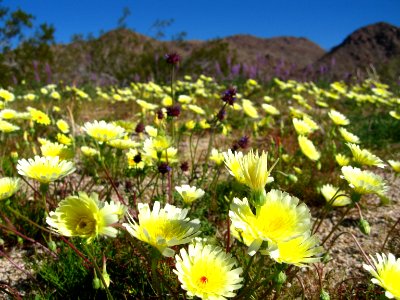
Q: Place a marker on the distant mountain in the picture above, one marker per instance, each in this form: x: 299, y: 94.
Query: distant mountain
x: 375, y: 45
x: 120, y: 56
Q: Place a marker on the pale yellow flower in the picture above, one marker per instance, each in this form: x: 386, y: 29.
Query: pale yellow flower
x: 207, y: 272
x: 338, y: 118
x: 278, y: 218
x: 62, y: 126
x: 163, y: 228
x: 249, y: 109
x: 85, y: 216
x: 189, y: 193
x: 45, y: 169
x: 8, y: 187
x: 386, y: 272
x: 103, y: 131
x: 299, y: 251
x: 329, y: 192
x: 364, y: 157
x: 395, y: 165
x: 364, y: 182
x: 342, y: 159
x: 308, y: 148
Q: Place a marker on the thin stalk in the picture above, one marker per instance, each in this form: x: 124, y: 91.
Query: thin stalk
x: 367, y: 260
x: 250, y: 286
x: 155, y: 258
x: 27, y: 238
x: 18, y: 214
x: 336, y: 225
x: 16, y: 266
x: 79, y: 253
x: 98, y: 271
x: 389, y: 233
x: 120, y: 198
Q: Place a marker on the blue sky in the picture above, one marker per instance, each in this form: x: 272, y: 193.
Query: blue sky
x: 324, y: 22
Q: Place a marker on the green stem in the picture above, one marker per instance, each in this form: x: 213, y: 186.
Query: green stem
x: 98, y: 271
x: 18, y: 214
x: 249, y: 288
x: 155, y: 257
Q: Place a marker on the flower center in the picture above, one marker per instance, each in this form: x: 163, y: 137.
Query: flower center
x: 85, y: 226
x: 203, y: 279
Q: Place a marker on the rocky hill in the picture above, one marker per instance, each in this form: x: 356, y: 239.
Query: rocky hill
x: 122, y: 55
x: 376, y: 45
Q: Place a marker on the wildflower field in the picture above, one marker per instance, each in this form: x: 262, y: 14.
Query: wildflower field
x: 194, y: 188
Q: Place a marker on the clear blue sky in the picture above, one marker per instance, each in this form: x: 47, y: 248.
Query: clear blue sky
x: 325, y: 22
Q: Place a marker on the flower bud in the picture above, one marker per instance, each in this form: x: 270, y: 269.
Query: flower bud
x: 52, y: 246
x: 293, y: 178
x: 326, y: 258
x: 364, y: 226
x: 96, y: 283
x: 324, y: 295
x: 280, y: 278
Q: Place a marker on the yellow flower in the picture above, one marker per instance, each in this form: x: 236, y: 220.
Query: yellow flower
x: 190, y: 124
x: 123, y: 144
x: 8, y: 187
x: 278, y: 218
x: 189, y: 193
x: 329, y: 191
x: 146, y: 105
x: 6, y: 95
x: 55, y: 95
x: 270, y: 109
x: 103, y: 131
x: 386, y: 270
x: 217, y: 157
x: 55, y: 149
x: 364, y: 157
x: 206, y: 272
x: 135, y: 160
x: 45, y: 169
x: 394, y: 114
x: 310, y: 122
x: 395, y: 165
x: 151, y: 131
x: 63, y: 139
x: 250, y: 169
x: 7, y: 127
x: 308, y: 148
x: 338, y: 118
x: 8, y: 114
x: 30, y: 97
x: 167, y: 101
x: 301, y: 127
x: 184, y: 99
x: 39, y: 116
x: 249, y: 109
x: 163, y: 227
x: 298, y: 251
x: 62, y: 126
x: 85, y: 216
x: 342, y: 159
x: 348, y: 136
x: 364, y: 182
x: 88, y: 151
x: 197, y: 109
x: 204, y: 124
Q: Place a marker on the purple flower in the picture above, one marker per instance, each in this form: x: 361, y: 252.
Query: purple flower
x: 164, y: 168
x: 173, y: 58
x: 229, y: 96
x: 173, y: 111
